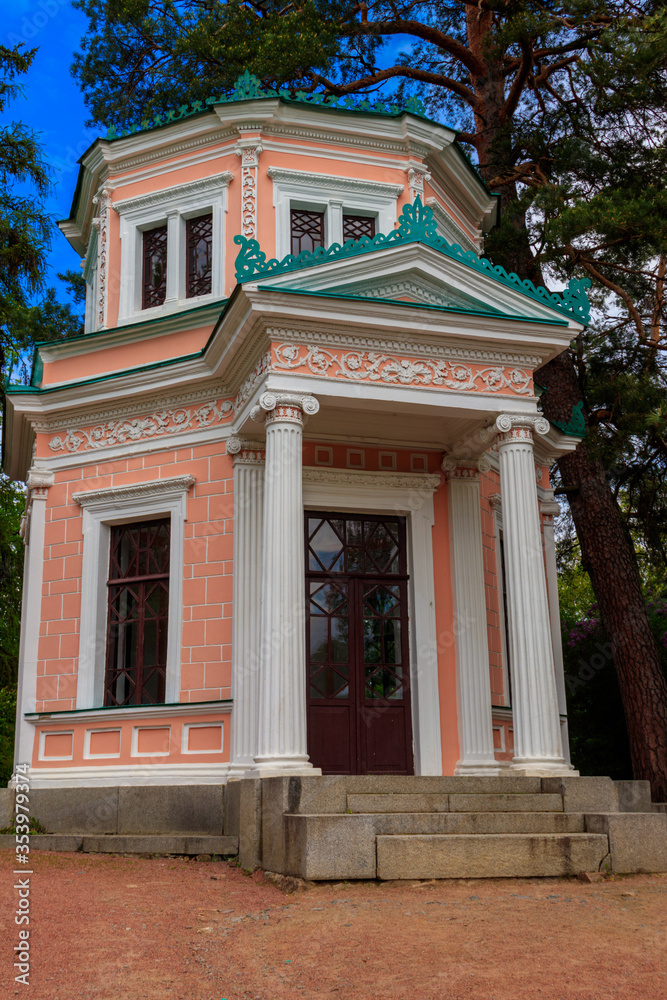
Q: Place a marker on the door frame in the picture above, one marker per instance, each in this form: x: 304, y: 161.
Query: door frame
x: 410, y: 496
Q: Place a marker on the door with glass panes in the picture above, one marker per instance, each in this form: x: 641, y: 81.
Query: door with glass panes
x: 357, y: 644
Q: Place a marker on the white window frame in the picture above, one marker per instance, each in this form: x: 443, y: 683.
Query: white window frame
x: 101, y: 510
x: 335, y: 197
x: 410, y: 496
x: 172, y: 207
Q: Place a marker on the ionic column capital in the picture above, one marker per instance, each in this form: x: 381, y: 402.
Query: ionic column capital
x: 464, y: 469
x: 516, y: 427
x: 246, y: 451
x: 292, y: 407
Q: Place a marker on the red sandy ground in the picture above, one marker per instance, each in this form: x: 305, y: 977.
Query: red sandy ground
x: 120, y: 928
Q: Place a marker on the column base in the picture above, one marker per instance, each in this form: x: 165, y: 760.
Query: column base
x: 272, y: 767
x: 537, y: 767
x: 477, y: 767
x: 239, y: 767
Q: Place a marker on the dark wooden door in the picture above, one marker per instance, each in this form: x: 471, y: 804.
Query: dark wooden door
x: 357, y: 644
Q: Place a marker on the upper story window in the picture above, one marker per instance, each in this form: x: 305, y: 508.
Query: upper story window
x: 307, y: 230
x: 172, y: 246
x: 138, y: 613
x: 356, y: 226
x: 199, y: 238
x: 314, y: 210
x: 155, y: 267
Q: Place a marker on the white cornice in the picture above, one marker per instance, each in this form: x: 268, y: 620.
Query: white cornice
x: 205, y: 185
x: 118, y: 495
x: 333, y: 338
x: 308, y: 179
x: 451, y: 231
x: 371, y: 480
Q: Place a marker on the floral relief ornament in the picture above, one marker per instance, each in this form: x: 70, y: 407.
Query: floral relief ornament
x: 375, y: 367
x: 120, y: 431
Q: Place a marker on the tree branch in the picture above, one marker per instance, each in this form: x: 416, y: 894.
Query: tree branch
x: 410, y: 73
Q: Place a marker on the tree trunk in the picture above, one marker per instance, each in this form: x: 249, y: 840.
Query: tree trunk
x: 608, y: 556
x: 607, y: 551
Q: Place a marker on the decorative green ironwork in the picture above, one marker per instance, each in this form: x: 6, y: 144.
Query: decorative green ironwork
x: 249, y: 88
x: 576, y: 425
x: 416, y: 224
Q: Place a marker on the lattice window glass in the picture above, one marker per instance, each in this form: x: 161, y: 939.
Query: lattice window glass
x: 307, y: 229
x: 356, y: 226
x: 155, y: 267
x: 138, y: 613
x: 199, y: 240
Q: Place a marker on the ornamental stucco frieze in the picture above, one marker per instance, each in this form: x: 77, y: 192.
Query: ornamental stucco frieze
x: 162, y: 423
x: 372, y: 366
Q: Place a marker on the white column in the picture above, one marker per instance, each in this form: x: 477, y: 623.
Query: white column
x: 537, y: 741
x: 550, y: 509
x: 31, y: 612
x: 248, y: 520
x: 282, y: 743
x: 473, y: 681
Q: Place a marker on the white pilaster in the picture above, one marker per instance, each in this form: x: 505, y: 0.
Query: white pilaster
x: 248, y: 520
x: 31, y: 612
x: 473, y: 683
x: 550, y: 509
x: 537, y: 740
x: 282, y: 742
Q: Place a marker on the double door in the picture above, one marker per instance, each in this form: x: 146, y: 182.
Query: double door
x: 357, y: 644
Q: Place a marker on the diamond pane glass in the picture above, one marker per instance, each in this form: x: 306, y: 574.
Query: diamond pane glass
x: 307, y: 230
x: 155, y: 267
x: 326, y: 547
x: 199, y: 238
x: 356, y: 226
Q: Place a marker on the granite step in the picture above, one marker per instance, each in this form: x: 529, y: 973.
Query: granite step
x: 477, y: 822
x: 513, y: 855
x: 410, y: 802
x: 190, y: 844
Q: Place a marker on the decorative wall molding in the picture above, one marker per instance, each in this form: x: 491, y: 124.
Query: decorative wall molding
x: 249, y: 150
x: 156, y: 400
x: 333, y: 338
x: 115, y: 716
x: 164, y: 423
x: 465, y: 469
x: 372, y: 480
x: 203, y: 186
x: 102, y: 199
x: 248, y: 387
x: 121, y: 494
x: 306, y: 179
x: 391, y: 370
x: 417, y: 175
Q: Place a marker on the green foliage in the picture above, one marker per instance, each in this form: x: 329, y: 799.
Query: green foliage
x: 24, y: 226
x: 7, y: 723
x: 12, y: 506
x: 598, y: 736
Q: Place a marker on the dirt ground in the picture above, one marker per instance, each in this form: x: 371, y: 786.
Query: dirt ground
x: 121, y: 928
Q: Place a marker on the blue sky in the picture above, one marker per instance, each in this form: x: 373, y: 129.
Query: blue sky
x: 52, y: 105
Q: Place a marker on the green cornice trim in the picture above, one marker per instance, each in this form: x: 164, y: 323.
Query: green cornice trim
x: 18, y: 390
x: 139, y: 325
x: 489, y: 313
x: 249, y: 88
x: 121, y: 708
x: 416, y: 224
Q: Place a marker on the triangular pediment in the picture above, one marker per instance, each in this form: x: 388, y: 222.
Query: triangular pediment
x: 413, y: 273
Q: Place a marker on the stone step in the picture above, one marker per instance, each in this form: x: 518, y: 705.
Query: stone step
x: 514, y: 855
x: 421, y: 802
x: 120, y: 844
x: 477, y: 822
